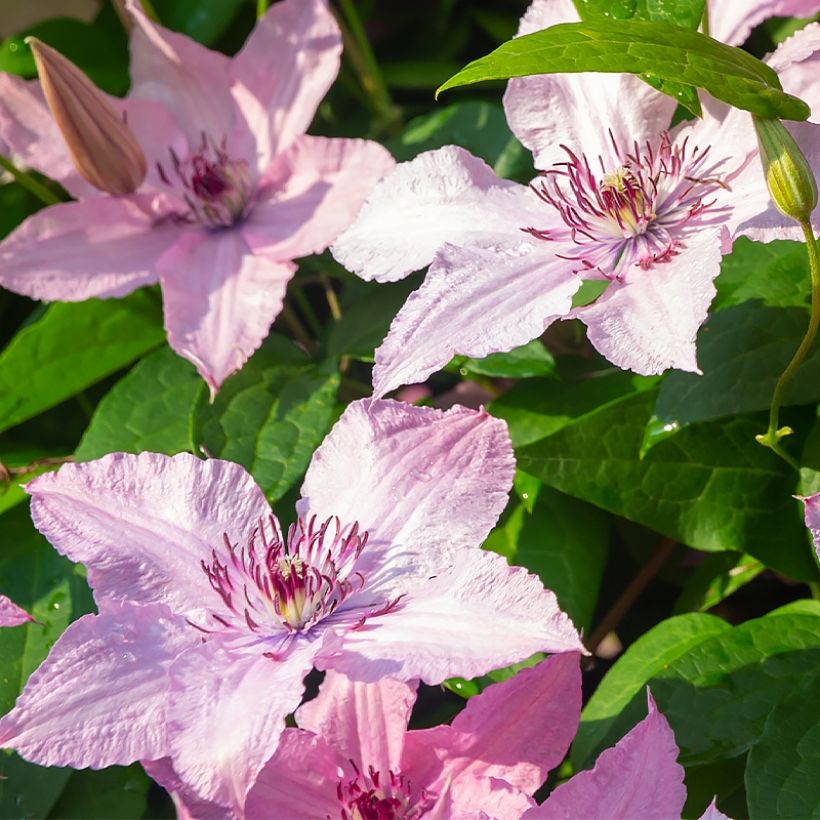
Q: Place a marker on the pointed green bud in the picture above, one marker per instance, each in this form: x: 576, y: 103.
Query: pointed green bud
x: 102, y: 147
x: 789, y: 177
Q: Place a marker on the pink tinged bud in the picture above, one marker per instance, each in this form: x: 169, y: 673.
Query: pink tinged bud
x: 102, y: 147
x: 789, y: 177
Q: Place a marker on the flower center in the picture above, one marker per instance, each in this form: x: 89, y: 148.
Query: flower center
x: 373, y: 795
x: 272, y: 584
x: 217, y: 189
x: 635, y: 214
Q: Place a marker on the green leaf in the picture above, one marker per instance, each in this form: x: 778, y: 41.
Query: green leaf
x: 686, y: 13
x: 563, y: 541
x: 48, y: 586
x: 71, y: 347
x: 810, y: 462
x: 711, y: 487
x: 742, y: 351
x: 715, y: 578
x: 537, y: 408
x: 776, y: 274
x: 203, y: 20
x: 91, y: 47
x: 781, y: 774
x: 17, y: 455
x: 480, y: 127
x: 649, y: 50
x: 649, y: 655
x: 527, y: 361
x: 718, y: 694
x: 110, y: 794
x: 368, y: 311
x: 150, y: 408
x: 271, y: 415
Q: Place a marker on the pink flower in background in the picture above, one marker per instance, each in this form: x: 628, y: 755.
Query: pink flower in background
x: 358, y: 760
x: 637, y: 779
x: 11, y: 614
x: 812, y: 512
x: 209, y: 617
x: 235, y: 189
x: 619, y: 199
x: 732, y: 21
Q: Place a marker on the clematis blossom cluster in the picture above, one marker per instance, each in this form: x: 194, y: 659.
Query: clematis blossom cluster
x: 235, y: 189
x: 621, y: 199
x: 210, y: 615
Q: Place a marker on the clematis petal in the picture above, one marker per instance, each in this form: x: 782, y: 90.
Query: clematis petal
x: 99, y: 698
x: 191, y: 81
x: 441, y: 196
x: 485, y: 798
x: 226, y: 713
x: 732, y: 22
x: 637, y: 778
x: 187, y: 804
x: 812, y: 513
x: 363, y: 722
x: 298, y: 781
x: 99, y: 247
x: 288, y: 64
x: 481, y: 614
x: 516, y: 731
x: 220, y: 300
x: 28, y: 132
x: 315, y: 190
x: 474, y: 302
x: 796, y: 62
x: 649, y: 323
x: 11, y: 614
x: 143, y: 523
x: 713, y: 812
x: 583, y: 111
x: 415, y: 478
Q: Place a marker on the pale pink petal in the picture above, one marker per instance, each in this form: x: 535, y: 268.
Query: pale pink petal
x: 516, y: 731
x: 220, y: 300
x: 650, y: 322
x: 298, y: 781
x: 287, y: 65
x: 486, y: 798
x: 580, y: 110
x: 732, y: 21
x: 441, y: 196
x: 797, y: 62
x: 363, y: 722
x: 187, y: 804
x: 226, y: 713
x: 29, y: 134
x: 315, y: 190
x: 99, y: 247
x: 474, y: 302
x: 638, y: 778
x: 22, y: 14
x: 11, y: 614
x: 480, y: 615
x: 417, y: 479
x: 143, y: 523
x: 713, y: 812
x: 812, y: 504
x: 191, y: 81
x: 99, y: 698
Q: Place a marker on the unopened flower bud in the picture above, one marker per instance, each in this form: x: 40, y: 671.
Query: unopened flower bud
x: 102, y: 147
x: 789, y: 177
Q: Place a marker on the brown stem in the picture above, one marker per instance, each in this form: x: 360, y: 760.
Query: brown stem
x: 8, y: 473
x: 628, y: 597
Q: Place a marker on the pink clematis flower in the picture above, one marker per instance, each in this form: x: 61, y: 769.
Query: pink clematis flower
x: 234, y: 193
x: 619, y: 199
x: 11, y: 614
x: 358, y: 760
x: 732, y: 22
x: 209, y: 616
x: 637, y: 779
x: 812, y: 513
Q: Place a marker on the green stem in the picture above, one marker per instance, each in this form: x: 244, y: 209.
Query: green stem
x: 330, y: 295
x: 261, y: 8
x: 307, y: 310
x: 297, y: 328
x: 29, y: 183
x: 772, y: 437
x: 364, y: 61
